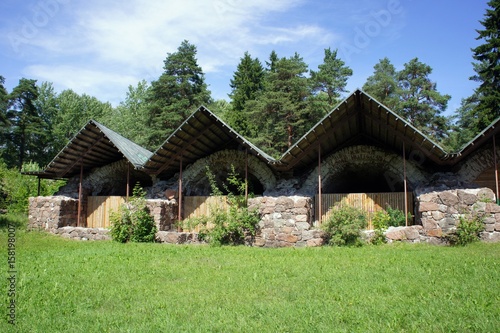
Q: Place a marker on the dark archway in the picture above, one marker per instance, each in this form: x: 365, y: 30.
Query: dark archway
x: 363, y: 179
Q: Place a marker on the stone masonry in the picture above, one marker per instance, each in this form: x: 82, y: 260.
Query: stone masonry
x: 285, y: 222
x: 439, y: 211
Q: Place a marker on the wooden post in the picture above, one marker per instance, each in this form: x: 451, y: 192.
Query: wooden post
x: 496, y: 167
x: 319, y: 187
x: 79, y: 197
x: 180, y: 195
x: 404, y: 182
x: 128, y: 182
x: 39, y: 185
x: 246, y: 176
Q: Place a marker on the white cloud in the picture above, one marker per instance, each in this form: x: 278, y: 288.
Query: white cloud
x: 94, y: 44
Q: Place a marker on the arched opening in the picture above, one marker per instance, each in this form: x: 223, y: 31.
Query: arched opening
x: 363, y: 179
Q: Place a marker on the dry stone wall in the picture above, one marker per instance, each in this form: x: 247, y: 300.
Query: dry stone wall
x: 439, y: 211
x: 285, y: 222
x: 50, y: 213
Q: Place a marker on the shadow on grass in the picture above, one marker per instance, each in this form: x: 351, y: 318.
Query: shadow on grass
x: 19, y: 220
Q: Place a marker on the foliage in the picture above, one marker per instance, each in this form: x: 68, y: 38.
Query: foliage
x: 487, y: 68
x: 380, y: 223
x: 411, y: 94
x: 133, y: 222
x: 344, y: 225
x: 130, y: 116
x: 247, y: 83
x: 383, y: 85
x: 179, y: 91
x: 467, y: 230
x: 231, y: 226
x: 397, y: 217
x: 15, y: 188
x: 25, y: 138
x: 331, y: 78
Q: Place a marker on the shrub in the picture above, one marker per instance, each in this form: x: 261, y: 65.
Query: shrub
x: 231, y: 226
x: 397, y: 217
x: 15, y: 188
x: 344, y: 226
x: 380, y: 223
x: 133, y: 222
x: 467, y: 231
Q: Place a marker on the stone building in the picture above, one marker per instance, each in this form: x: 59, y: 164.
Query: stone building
x: 358, y: 147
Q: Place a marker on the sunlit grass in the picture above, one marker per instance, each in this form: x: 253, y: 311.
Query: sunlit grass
x: 73, y: 286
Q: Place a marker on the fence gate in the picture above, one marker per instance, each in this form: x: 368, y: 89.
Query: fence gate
x: 99, y: 208
x: 369, y: 202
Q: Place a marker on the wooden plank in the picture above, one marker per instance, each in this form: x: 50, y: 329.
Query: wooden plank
x: 198, y: 206
x: 369, y: 202
x: 99, y: 209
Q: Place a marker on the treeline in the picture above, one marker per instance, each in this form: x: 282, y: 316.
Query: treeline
x: 272, y: 103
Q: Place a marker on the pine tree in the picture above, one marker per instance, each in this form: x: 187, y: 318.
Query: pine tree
x: 419, y: 101
x: 4, y: 100
x: 330, y: 79
x: 26, y: 134
x: 246, y: 84
x: 487, y: 67
x: 281, y: 113
x: 383, y: 84
x: 179, y: 91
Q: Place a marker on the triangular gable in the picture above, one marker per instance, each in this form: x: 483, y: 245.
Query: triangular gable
x: 93, y: 146
x: 200, y: 135
x: 360, y: 119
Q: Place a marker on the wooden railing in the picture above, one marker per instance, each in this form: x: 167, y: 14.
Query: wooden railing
x: 369, y: 202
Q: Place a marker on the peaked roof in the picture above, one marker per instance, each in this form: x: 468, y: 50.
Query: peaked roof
x: 201, y: 134
x: 360, y: 119
x: 479, y: 140
x: 93, y: 146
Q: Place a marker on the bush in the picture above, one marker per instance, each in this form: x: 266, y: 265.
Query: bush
x: 397, y: 217
x: 231, y: 226
x: 467, y: 231
x: 133, y: 222
x: 380, y: 223
x: 344, y: 226
x: 15, y: 188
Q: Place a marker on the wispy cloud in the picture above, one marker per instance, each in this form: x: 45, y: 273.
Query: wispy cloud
x: 97, y: 44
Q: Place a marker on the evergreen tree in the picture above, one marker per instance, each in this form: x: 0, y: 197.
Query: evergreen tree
x: 487, y: 68
x: 419, y: 101
x: 246, y: 84
x: 27, y: 133
x: 281, y: 114
x: 179, y: 91
x: 47, y: 108
x: 466, y: 126
x: 331, y: 78
x: 383, y: 84
x: 4, y: 100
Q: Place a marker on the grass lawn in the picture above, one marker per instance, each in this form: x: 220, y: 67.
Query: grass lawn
x: 103, y: 286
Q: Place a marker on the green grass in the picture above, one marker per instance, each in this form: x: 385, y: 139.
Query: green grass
x: 73, y: 286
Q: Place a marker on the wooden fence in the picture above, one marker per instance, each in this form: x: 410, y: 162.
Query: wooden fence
x: 99, y: 209
x: 197, y: 206
x: 369, y: 202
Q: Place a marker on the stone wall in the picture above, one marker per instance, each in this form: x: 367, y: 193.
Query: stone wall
x: 164, y: 213
x: 79, y: 233
x: 439, y: 211
x: 50, y: 213
x: 285, y: 222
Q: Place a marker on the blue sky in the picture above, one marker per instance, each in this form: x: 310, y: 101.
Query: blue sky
x: 101, y: 47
